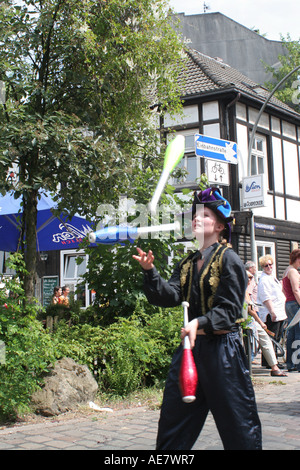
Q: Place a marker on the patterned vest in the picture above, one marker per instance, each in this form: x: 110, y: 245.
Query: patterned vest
x: 208, y: 280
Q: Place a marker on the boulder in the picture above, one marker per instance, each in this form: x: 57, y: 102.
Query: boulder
x: 68, y: 385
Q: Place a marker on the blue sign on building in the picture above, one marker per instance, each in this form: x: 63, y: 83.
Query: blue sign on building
x: 216, y: 149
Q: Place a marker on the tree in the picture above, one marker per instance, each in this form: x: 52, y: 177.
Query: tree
x: 115, y: 277
x: 84, y: 80
x: 290, y: 93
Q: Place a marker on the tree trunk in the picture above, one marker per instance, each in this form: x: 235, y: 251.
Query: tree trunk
x: 30, y: 219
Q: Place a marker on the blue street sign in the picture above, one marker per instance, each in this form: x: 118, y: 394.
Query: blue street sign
x: 216, y: 149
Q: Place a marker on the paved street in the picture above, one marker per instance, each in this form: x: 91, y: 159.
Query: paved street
x: 135, y: 429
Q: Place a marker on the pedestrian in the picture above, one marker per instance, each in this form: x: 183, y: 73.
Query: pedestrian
x: 259, y: 330
x: 213, y: 280
x: 64, y: 298
x: 56, y: 295
x: 271, y: 299
x: 250, y: 267
x: 290, y: 282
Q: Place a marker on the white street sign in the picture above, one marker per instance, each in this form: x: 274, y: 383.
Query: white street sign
x: 253, y: 192
x: 216, y: 149
x: 217, y: 172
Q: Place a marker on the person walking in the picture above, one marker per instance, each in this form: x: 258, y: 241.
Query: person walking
x: 291, y: 284
x: 259, y: 330
x: 250, y: 267
x: 271, y: 299
x: 213, y: 280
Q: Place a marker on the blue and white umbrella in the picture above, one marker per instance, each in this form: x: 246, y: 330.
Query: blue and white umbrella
x: 53, y: 232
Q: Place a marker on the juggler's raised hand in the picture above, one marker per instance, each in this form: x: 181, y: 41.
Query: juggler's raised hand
x: 145, y: 259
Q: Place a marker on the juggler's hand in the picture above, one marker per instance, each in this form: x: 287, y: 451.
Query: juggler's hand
x: 191, y: 331
x: 145, y: 259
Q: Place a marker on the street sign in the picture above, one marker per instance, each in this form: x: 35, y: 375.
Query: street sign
x: 253, y: 192
x: 216, y: 149
x: 217, y: 172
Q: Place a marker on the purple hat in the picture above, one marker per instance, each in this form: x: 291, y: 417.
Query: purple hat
x: 212, y: 199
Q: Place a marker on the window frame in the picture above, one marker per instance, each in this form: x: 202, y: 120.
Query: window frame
x: 73, y: 282
x: 268, y: 248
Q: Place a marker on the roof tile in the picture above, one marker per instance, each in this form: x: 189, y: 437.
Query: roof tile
x: 202, y: 74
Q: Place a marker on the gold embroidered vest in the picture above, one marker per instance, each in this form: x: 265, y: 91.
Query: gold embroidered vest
x: 208, y: 280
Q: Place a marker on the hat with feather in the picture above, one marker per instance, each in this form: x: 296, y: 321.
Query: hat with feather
x: 212, y: 199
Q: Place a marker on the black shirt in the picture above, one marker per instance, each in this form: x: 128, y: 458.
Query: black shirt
x: 216, y: 300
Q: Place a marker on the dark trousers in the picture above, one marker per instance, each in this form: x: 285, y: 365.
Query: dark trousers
x: 277, y: 328
x: 224, y: 388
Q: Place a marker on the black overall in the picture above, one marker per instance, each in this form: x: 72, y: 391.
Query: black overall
x: 216, y: 296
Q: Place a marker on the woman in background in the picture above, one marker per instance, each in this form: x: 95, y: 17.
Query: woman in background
x: 290, y: 283
x: 271, y: 298
x: 56, y: 295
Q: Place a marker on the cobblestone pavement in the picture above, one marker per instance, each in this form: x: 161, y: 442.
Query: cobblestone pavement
x: 278, y: 401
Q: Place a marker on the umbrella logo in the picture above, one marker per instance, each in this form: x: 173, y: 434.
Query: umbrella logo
x: 71, y: 234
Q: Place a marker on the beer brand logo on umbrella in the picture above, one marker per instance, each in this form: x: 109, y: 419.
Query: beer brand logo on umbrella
x: 71, y: 234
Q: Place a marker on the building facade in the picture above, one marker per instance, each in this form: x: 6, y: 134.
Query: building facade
x: 221, y: 102
x: 216, y: 35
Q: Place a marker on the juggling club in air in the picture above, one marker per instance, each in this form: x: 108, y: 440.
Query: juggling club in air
x: 188, y: 376
x: 119, y: 233
x: 173, y: 155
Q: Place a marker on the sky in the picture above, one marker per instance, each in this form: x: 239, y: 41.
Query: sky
x: 272, y: 17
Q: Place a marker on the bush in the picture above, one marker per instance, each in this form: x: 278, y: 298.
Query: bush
x: 130, y: 353
x: 28, y: 348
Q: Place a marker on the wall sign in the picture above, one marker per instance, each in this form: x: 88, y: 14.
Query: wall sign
x: 253, y: 192
x: 49, y: 282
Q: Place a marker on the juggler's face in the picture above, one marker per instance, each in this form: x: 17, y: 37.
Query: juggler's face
x: 206, y: 223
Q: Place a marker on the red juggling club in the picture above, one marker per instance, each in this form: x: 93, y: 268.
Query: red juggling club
x: 188, y: 376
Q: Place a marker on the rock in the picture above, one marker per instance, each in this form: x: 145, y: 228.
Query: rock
x: 68, y: 385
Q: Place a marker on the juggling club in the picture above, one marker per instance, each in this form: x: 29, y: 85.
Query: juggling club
x: 174, y: 153
x: 188, y: 376
x: 119, y: 233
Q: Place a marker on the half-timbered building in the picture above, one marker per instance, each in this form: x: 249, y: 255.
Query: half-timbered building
x: 221, y: 102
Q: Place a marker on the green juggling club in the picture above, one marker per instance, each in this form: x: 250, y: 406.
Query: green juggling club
x: 173, y: 155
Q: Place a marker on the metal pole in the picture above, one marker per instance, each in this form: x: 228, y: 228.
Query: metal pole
x: 252, y: 227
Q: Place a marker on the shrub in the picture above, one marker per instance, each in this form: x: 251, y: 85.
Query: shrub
x: 28, y: 348
x: 128, y: 354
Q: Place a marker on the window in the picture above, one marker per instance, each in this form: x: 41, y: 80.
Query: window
x: 191, y: 165
x: 259, y: 156
x: 262, y: 249
x: 71, y: 275
x: 190, y: 162
x: 72, y: 269
x: 3, y: 269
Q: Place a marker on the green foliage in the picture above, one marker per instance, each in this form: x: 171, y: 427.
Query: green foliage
x: 82, y: 79
x: 57, y: 310
x: 117, y: 278
x: 28, y: 348
x: 137, y: 354
x: 289, y: 92
x: 131, y: 353
x: 84, y: 82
